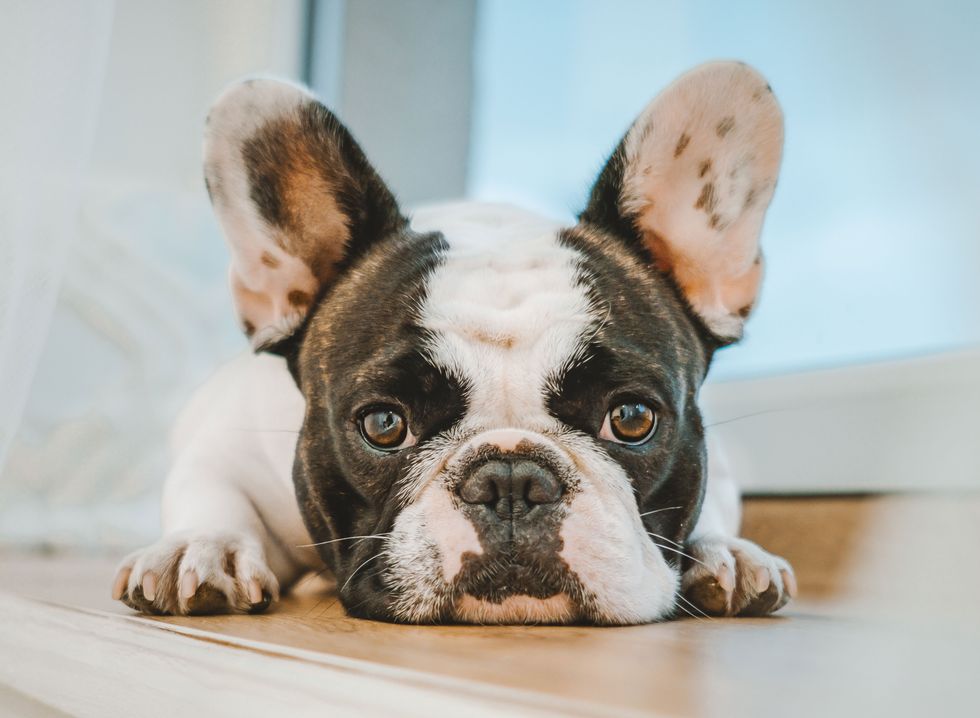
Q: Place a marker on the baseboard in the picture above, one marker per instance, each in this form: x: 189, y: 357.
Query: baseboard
x: 890, y: 426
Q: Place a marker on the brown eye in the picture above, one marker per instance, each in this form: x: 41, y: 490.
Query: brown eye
x: 385, y: 428
x: 629, y: 423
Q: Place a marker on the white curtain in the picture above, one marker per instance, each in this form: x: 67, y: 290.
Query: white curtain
x: 113, y: 297
x: 52, y: 65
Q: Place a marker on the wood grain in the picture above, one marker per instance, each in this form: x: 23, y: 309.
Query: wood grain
x: 886, y: 625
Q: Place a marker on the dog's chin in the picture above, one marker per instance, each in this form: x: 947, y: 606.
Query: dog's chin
x: 518, y: 609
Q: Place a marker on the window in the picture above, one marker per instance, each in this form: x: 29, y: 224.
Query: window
x: 872, y: 238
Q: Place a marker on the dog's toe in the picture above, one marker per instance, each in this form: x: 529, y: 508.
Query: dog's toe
x: 735, y: 577
x: 207, y: 600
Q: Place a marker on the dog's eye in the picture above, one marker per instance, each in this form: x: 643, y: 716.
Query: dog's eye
x: 631, y: 423
x: 385, y: 428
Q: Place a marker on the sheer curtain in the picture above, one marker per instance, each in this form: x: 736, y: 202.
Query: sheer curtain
x: 112, y: 271
x: 52, y: 65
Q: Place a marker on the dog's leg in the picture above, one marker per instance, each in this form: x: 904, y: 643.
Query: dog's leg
x: 232, y: 529
x: 731, y: 576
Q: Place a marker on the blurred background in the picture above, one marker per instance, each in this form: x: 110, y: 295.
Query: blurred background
x: 858, y: 371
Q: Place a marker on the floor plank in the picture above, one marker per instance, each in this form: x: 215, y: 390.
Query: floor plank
x: 886, y: 625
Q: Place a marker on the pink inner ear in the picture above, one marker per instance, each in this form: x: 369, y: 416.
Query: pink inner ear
x: 723, y: 298
x: 702, y: 161
x: 272, y: 295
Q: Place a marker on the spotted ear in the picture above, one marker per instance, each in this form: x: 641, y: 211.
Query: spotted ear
x: 296, y: 198
x: 691, y: 182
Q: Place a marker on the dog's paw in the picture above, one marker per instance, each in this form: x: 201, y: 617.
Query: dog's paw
x: 193, y: 574
x: 735, y: 577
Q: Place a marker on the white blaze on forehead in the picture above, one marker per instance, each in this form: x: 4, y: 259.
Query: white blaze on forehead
x: 505, y: 309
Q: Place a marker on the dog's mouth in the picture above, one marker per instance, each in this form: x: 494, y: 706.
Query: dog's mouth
x: 509, y: 588
x: 496, y: 578
x: 517, y: 609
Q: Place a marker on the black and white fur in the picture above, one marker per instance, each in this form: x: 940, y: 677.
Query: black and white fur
x: 502, y: 337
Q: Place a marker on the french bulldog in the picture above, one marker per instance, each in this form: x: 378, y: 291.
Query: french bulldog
x: 473, y: 414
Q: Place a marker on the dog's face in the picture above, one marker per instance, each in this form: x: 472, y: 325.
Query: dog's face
x: 505, y: 409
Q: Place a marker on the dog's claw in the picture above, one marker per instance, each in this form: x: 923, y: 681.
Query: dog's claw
x: 735, y: 577
x: 254, y: 592
x: 120, y: 582
x: 725, y: 578
x: 149, y: 586
x: 789, y: 582
x: 188, y: 584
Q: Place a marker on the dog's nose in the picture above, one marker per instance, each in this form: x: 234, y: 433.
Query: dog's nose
x: 510, y: 487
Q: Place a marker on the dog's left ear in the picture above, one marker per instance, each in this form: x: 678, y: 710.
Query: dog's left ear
x: 691, y: 182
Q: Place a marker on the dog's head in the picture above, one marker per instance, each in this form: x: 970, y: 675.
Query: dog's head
x: 506, y: 409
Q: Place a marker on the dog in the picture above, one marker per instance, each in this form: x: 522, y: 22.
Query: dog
x: 476, y: 414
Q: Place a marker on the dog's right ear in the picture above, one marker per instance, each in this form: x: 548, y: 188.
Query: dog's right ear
x: 690, y: 184
x: 296, y: 198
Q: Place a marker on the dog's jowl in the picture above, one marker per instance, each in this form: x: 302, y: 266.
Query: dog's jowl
x: 473, y: 413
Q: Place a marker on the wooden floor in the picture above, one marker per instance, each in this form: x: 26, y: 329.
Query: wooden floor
x: 887, y: 624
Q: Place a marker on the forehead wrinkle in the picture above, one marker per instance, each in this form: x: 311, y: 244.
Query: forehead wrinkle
x: 503, y: 315
x: 505, y: 378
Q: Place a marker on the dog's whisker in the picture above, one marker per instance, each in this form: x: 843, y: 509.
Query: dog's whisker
x: 345, y: 538
x: 354, y: 572
x: 692, y: 605
x: 680, y: 607
x: 745, y: 416
x: 664, y: 538
x: 657, y: 511
x: 260, y: 430
x: 688, y: 612
x: 311, y: 576
x: 678, y: 551
x: 368, y: 576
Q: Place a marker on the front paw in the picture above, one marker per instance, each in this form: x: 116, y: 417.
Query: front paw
x: 735, y: 577
x: 200, y: 573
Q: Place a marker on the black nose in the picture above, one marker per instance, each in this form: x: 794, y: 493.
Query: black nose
x: 510, y: 487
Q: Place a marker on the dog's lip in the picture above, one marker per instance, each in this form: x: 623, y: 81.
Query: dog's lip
x: 516, y: 608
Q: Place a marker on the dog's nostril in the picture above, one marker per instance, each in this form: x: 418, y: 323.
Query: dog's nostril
x: 510, y: 487
x: 483, y: 486
x: 533, y: 482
